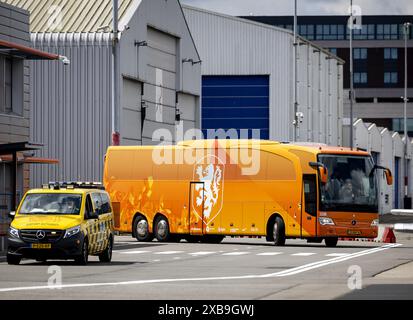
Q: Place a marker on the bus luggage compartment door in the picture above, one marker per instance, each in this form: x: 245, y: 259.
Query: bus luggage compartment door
x: 196, y: 208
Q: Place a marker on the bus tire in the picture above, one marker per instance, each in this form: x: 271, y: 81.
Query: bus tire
x: 140, y: 229
x: 192, y: 239
x: 212, y: 239
x: 279, y: 232
x: 161, y: 229
x: 331, y: 242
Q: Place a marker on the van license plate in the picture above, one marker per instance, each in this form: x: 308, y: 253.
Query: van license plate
x: 41, y: 245
x: 353, y: 232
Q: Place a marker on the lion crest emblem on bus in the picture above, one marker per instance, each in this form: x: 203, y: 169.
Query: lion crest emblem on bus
x: 209, y: 194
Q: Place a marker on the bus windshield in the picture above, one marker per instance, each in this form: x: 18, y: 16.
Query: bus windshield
x: 51, y: 203
x: 351, y: 185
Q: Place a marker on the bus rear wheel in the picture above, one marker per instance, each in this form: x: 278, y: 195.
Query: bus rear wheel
x: 279, y: 232
x: 161, y: 229
x: 331, y: 242
x: 140, y: 230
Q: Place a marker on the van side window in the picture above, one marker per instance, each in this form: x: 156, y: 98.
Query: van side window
x: 89, y: 207
x: 105, y: 203
x: 97, y: 202
x: 310, y: 194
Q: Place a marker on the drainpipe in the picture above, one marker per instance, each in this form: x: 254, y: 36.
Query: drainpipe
x: 115, y: 77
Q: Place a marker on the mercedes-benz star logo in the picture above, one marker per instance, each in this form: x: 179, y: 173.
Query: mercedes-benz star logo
x: 40, y: 234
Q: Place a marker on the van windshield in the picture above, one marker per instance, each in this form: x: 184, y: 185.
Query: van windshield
x: 51, y: 203
x: 351, y: 185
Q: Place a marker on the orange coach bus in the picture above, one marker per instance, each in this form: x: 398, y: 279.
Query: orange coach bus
x: 204, y: 190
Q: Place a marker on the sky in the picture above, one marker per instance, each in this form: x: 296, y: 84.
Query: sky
x: 305, y: 7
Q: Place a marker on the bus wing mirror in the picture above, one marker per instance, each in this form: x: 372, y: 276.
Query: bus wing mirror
x: 389, y: 177
x: 323, y: 174
x: 322, y: 170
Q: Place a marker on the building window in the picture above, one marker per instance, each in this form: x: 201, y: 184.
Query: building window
x: 367, y: 32
x: 390, y: 53
x: 387, y: 31
x: 333, y: 50
x: 6, y: 79
x: 390, y: 77
x: 360, y: 53
x: 329, y: 32
x: 360, y: 77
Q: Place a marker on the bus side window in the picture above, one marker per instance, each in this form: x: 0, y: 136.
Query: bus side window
x: 310, y: 194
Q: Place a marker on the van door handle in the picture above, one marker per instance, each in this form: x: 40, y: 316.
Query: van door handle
x: 231, y: 224
x: 308, y: 218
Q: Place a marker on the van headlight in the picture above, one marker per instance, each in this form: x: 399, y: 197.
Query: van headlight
x: 324, y: 221
x: 375, y: 223
x: 14, y: 232
x: 72, y: 231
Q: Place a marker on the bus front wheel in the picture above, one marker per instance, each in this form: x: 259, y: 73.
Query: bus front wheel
x: 279, y: 232
x: 331, y: 242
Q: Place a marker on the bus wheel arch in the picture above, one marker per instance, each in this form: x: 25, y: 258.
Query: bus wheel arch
x: 141, y: 228
x: 276, y: 229
x: 161, y: 228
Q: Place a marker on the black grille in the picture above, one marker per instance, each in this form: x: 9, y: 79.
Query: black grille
x: 50, y: 235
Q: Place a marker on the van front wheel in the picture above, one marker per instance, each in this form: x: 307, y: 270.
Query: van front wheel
x: 279, y: 232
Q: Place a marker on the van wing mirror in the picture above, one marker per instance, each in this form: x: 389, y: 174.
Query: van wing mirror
x: 322, y: 169
x: 12, y: 214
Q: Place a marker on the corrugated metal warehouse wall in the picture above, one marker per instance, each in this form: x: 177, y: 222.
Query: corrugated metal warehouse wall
x: 71, y: 105
x: 231, y: 46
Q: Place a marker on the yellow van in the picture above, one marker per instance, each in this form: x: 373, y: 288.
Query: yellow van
x: 62, y: 221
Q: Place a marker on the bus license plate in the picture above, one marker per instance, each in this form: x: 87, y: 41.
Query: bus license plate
x: 353, y: 232
x: 41, y: 245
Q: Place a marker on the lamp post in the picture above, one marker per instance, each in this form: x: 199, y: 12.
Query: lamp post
x: 351, y: 25
x: 295, y: 73
x: 405, y: 99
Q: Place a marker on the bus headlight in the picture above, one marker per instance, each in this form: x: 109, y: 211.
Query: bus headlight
x: 375, y: 223
x: 14, y: 232
x: 324, y: 221
x: 72, y: 231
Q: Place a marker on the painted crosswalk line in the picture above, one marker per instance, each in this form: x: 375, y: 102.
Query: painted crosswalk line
x: 337, y: 254
x: 168, y: 252
x: 134, y: 252
x: 201, y: 253
x: 303, y: 254
x: 237, y: 253
x: 269, y: 253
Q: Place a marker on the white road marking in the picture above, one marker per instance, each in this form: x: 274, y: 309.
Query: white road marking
x: 177, y: 258
x: 156, y: 260
x: 337, y: 254
x: 133, y: 252
x: 268, y: 253
x: 303, y: 254
x: 238, y: 253
x: 201, y: 253
x: 284, y: 273
x: 168, y: 252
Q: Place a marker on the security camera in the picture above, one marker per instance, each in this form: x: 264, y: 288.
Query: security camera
x: 65, y: 60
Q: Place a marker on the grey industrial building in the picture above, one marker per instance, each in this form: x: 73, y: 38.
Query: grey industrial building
x: 248, y: 80
x: 159, y: 77
x: 15, y: 109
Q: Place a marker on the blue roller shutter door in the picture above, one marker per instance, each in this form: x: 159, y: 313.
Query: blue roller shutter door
x: 236, y: 102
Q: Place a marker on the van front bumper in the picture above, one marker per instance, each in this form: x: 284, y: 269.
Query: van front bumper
x: 64, y: 248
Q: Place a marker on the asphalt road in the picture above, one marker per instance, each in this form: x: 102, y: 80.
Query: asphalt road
x: 235, y: 269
